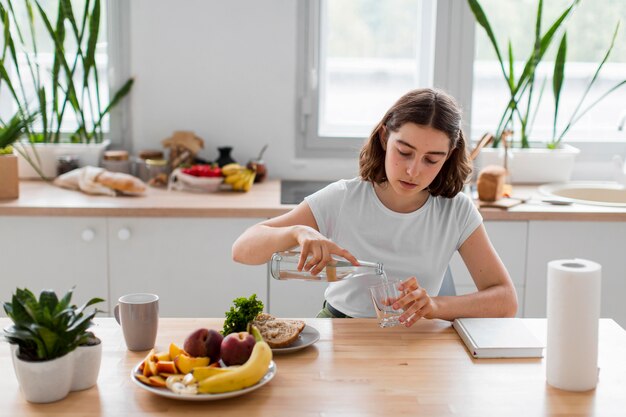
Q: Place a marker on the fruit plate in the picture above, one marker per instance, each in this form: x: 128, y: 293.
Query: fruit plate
x: 308, y: 336
x: 164, y: 392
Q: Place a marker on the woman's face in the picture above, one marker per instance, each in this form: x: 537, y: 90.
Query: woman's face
x: 414, y: 156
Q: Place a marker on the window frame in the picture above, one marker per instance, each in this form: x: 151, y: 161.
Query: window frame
x: 118, y: 71
x: 452, y: 70
x: 308, y: 142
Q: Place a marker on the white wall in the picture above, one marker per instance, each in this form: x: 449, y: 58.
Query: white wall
x: 226, y: 70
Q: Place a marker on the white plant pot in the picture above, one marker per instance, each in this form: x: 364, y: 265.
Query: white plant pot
x: 49, y: 381
x: 88, y: 154
x: 86, y: 366
x: 535, y: 165
x: 44, y: 382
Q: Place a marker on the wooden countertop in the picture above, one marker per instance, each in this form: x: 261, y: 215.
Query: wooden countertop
x: 38, y: 198
x: 355, y: 369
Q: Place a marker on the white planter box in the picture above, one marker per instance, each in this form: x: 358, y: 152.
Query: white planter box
x: 88, y: 154
x: 536, y: 165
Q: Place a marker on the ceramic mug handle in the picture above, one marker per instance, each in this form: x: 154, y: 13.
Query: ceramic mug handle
x: 116, y: 313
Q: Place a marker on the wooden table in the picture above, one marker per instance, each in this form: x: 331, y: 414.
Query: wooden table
x: 355, y: 369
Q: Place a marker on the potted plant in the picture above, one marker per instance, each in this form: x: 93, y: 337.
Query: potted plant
x: 44, y: 337
x: 550, y: 160
x: 69, y: 86
x: 9, y: 134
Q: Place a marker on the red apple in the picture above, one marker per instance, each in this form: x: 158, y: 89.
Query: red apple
x: 195, y: 343
x: 213, y: 345
x: 237, y: 348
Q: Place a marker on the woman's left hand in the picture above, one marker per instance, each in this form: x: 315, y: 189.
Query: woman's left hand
x: 415, y: 302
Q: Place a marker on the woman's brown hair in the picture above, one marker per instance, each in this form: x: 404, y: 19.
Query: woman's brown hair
x: 425, y: 107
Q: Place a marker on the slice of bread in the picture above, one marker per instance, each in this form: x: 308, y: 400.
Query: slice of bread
x: 276, y: 332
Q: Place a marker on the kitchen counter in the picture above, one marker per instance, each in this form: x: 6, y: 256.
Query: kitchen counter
x: 38, y: 198
x: 355, y: 369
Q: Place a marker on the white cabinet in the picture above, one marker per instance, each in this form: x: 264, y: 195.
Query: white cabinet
x: 54, y: 253
x: 296, y: 298
x: 601, y: 242
x: 186, y: 261
x: 509, y: 240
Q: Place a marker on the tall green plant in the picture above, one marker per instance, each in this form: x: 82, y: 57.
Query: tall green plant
x: 522, y: 106
x: 558, y: 77
x: 47, y: 328
x: 62, y: 88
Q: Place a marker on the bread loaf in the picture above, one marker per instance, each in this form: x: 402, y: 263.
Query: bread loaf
x: 121, y: 182
x: 490, y: 183
x: 278, y: 333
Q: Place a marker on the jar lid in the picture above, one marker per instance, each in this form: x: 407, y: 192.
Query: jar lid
x: 156, y: 162
x: 151, y: 154
x: 115, y: 155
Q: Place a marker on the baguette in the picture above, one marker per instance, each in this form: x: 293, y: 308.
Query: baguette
x: 278, y: 333
x: 121, y: 182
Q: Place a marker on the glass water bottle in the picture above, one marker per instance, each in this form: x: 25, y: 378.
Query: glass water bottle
x: 284, y: 266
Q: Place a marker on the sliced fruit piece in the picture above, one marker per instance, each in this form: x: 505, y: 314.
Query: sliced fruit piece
x: 186, y: 363
x: 157, y: 381
x: 174, y: 351
x: 166, y: 367
x: 143, y: 379
x: 163, y: 356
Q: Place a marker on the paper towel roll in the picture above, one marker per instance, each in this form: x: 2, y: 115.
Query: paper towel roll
x: 573, y: 316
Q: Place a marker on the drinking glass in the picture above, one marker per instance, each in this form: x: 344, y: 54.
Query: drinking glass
x: 383, y: 297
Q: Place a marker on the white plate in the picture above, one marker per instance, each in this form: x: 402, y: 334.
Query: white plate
x: 164, y: 392
x: 308, y: 336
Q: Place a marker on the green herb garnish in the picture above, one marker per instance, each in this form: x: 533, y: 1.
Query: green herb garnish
x: 244, y: 311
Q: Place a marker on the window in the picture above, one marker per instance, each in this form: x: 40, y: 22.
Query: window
x: 589, y: 31
x: 44, y: 59
x: 360, y: 57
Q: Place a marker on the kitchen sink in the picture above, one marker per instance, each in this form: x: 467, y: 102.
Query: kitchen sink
x: 609, y: 194
x: 294, y: 191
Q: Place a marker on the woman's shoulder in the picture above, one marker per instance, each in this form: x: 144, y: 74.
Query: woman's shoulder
x: 459, y: 201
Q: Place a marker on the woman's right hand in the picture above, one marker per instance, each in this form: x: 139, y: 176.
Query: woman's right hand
x: 316, y: 250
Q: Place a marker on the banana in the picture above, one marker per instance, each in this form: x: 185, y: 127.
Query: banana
x: 233, y: 178
x: 232, y: 168
x: 243, y: 179
x: 203, y: 372
x: 244, y: 376
x: 248, y: 185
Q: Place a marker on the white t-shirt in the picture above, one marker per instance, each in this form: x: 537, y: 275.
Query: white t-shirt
x: 417, y: 244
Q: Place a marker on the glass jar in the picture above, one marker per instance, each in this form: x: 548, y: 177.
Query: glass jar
x: 116, y: 161
x: 142, y: 170
x: 157, y: 172
x: 284, y: 266
x: 66, y: 163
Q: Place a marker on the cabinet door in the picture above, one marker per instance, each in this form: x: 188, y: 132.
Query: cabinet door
x: 187, y: 262
x: 54, y: 253
x: 509, y: 240
x: 601, y: 242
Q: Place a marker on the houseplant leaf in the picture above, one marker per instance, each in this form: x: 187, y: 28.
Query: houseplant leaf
x: 557, y: 79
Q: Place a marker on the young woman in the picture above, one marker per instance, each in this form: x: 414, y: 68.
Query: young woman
x: 405, y: 210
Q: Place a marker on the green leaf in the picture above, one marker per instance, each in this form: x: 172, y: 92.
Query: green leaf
x: 557, y: 79
x: 92, y: 40
x: 243, y: 312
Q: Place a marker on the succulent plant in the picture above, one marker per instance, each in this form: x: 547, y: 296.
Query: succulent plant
x: 47, y: 328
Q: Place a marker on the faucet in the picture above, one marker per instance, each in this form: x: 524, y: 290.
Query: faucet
x: 622, y: 121
x: 619, y: 170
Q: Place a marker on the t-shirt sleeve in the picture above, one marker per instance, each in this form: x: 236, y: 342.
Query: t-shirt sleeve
x: 326, y: 205
x: 469, y: 218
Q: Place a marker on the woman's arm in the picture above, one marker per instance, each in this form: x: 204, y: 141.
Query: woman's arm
x: 295, y: 228
x: 495, y: 297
